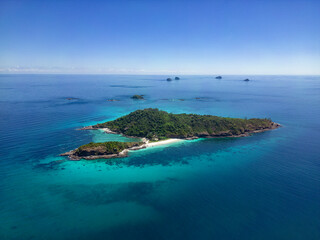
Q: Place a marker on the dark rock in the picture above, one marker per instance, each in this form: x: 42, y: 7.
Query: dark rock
x: 218, y: 77
x: 138, y: 97
x: 169, y: 79
x: 176, y: 78
x: 246, y: 80
x: 71, y: 98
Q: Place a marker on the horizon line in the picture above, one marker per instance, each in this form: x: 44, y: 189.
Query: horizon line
x: 157, y: 74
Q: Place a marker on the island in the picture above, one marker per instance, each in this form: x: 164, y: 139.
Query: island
x: 169, y: 79
x: 176, y: 78
x: 154, y: 126
x: 246, y: 80
x: 218, y: 77
x: 138, y: 97
x: 72, y: 98
x: 105, y: 150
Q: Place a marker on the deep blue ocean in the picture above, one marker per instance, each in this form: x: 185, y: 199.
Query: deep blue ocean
x: 266, y: 186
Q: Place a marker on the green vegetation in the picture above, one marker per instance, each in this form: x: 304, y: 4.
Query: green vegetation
x: 156, y: 124
x: 139, y: 97
x: 104, y: 148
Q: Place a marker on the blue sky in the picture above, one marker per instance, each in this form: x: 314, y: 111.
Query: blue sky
x: 160, y: 37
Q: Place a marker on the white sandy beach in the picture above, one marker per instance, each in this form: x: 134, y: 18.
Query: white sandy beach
x: 168, y: 141
x: 152, y: 144
x: 149, y: 144
x: 107, y: 130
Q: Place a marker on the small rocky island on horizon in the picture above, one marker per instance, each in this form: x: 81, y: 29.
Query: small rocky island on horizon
x: 153, y: 125
x: 138, y: 97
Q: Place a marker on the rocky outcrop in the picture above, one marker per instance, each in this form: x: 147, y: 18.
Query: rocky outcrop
x: 138, y: 97
x: 72, y: 98
x: 73, y: 156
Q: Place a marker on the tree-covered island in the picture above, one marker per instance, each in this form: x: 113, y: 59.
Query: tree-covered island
x: 103, y: 150
x: 154, y: 125
x: 138, y: 97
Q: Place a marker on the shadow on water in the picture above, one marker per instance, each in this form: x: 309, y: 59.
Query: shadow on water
x: 102, y: 194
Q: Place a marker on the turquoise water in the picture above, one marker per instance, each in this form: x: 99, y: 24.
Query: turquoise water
x: 266, y: 186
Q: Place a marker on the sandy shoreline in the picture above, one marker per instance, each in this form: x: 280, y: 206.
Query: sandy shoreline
x: 147, y: 143
x: 107, y: 130
x: 163, y: 142
x: 124, y: 153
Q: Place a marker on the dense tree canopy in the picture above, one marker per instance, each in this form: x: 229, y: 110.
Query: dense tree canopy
x: 153, y: 123
x: 104, y: 148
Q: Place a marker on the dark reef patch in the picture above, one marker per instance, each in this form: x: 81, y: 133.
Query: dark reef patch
x: 102, y: 194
